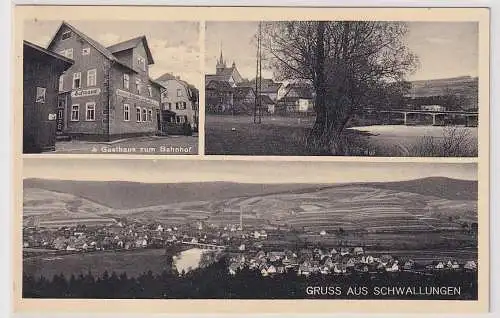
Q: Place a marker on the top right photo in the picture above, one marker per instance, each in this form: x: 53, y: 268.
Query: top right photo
x: 342, y: 88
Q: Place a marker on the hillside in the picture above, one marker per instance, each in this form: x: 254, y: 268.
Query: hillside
x: 418, y: 205
x: 130, y: 195
x: 464, y: 86
x: 446, y: 188
x: 51, y: 208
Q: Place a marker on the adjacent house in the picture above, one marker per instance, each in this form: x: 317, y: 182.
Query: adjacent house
x: 41, y: 71
x: 106, y: 94
x: 179, y: 103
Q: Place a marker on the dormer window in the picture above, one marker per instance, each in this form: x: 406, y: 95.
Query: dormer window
x: 66, y: 35
x: 141, y: 62
x: 138, y: 85
x: 125, y: 81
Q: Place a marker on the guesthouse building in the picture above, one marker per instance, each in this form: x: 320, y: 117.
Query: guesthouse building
x: 107, y: 93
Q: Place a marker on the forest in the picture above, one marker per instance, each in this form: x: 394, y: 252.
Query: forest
x: 214, y: 282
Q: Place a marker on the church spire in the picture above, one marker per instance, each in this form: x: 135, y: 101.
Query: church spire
x: 221, y: 64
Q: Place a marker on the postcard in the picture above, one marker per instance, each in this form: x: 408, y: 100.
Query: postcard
x: 250, y: 160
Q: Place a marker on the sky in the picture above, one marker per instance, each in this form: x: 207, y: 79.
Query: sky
x: 174, y: 45
x: 445, y: 49
x: 168, y: 171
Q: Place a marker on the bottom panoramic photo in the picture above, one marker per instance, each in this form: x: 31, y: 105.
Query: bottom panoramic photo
x: 172, y: 229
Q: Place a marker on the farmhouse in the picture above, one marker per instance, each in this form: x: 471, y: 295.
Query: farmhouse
x: 295, y: 98
x: 244, y: 99
x: 219, y: 97
x: 107, y: 93
x: 41, y: 70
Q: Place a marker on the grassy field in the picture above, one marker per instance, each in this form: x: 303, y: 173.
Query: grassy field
x: 131, y: 262
x: 274, y: 136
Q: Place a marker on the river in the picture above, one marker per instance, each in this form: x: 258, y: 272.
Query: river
x: 399, y: 139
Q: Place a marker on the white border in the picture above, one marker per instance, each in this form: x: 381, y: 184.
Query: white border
x: 5, y: 129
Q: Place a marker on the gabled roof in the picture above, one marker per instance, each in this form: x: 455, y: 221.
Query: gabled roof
x: 218, y: 77
x: 130, y: 44
x: 241, y: 92
x: 66, y: 61
x: 98, y: 46
x: 219, y: 85
x: 156, y: 83
x: 268, y: 85
x: 166, y: 77
x: 301, y: 91
x: 264, y: 99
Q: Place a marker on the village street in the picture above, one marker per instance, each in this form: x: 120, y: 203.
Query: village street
x: 153, y: 145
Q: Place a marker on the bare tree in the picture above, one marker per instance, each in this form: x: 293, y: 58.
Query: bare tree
x: 350, y: 64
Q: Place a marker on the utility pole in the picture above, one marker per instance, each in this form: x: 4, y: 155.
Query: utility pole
x: 257, y: 117
x: 260, y: 73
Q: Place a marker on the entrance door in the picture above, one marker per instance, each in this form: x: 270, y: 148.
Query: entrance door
x: 61, y: 110
x: 158, y: 121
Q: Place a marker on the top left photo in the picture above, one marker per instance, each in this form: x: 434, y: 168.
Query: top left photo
x: 120, y: 87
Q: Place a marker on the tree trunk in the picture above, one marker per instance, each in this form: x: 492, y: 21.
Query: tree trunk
x: 320, y: 82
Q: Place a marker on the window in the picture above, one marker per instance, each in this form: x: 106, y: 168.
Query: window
x: 77, y: 80
x: 67, y: 53
x: 91, y: 77
x: 86, y: 51
x: 176, y: 105
x: 141, y: 62
x: 126, y: 112
x: 138, y: 85
x: 144, y: 114
x: 220, y: 100
x: 66, y: 35
x: 75, y: 112
x: 185, y: 118
x: 179, y: 92
x: 183, y: 105
x: 40, y: 95
x: 150, y: 115
x: 180, y: 119
x: 90, y: 111
x: 138, y: 114
x: 61, y: 83
x: 126, y: 81
x: 150, y: 91
x: 169, y: 106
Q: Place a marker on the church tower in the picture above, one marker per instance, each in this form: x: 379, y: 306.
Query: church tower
x: 221, y: 64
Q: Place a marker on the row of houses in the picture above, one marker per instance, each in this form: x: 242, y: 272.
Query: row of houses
x: 317, y: 261
x: 77, y: 88
x: 228, y: 92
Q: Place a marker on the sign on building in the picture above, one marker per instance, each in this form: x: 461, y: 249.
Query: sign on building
x: 126, y: 94
x: 85, y: 92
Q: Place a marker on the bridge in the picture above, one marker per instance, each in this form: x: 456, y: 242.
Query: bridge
x: 204, y: 246
x: 471, y: 118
